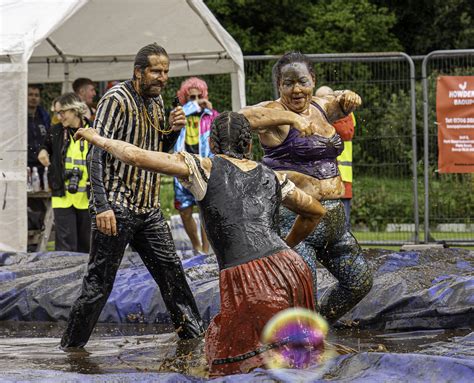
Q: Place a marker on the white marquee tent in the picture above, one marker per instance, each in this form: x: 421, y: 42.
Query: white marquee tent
x: 60, y: 40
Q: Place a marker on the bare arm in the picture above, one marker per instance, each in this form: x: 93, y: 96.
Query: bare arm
x: 339, y: 104
x: 309, y: 210
x: 164, y: 163
x: 272, y: 117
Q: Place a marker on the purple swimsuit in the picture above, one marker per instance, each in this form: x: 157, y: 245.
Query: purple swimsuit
x: 312, y: 155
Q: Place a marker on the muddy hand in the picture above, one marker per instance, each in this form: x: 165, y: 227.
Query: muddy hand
x: 106, y: 222
x: 86, y: 134
x: 177, y: 118
x: 349, y: 101
x: 305, y: 127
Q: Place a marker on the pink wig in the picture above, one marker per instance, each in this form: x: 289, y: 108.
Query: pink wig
x: 192, y: 82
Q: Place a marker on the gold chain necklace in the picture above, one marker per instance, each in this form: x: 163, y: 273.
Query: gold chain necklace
x: 157, y: 128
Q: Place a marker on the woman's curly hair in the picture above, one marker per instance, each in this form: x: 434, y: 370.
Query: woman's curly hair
x: 73, y: 102
x: 192, y: 82
x: 231, y: 135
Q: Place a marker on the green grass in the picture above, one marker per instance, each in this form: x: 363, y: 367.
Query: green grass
x: 167, y: 197
x: 401, y: 190
x: 406, y: 236
x: 366, y: 236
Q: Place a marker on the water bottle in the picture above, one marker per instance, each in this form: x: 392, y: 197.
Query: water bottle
x: 35, y: 180
x: 29, y: 185
x: 45, y: 180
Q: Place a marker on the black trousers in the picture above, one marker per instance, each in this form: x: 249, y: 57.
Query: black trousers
x: 73, y: 229
x: 151, y: 237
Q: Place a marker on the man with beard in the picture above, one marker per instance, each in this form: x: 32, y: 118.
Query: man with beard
x: 124, y: 202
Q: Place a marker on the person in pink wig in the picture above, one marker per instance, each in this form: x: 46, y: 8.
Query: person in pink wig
x: 193, y: 95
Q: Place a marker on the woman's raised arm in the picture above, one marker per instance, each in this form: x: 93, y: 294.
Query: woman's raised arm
x: 271, y: 120
x: 164, y: 163
x: 339, y: 104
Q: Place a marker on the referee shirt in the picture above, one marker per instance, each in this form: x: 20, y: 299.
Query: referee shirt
x: 123, y: 114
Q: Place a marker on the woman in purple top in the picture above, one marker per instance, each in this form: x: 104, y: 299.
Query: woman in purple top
x: 299, y: 140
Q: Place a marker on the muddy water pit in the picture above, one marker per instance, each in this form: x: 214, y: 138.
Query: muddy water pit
x: 153, y: 348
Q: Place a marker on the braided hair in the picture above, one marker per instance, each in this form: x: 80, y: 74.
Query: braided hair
x: 290, y: 58
x: 231, y: 135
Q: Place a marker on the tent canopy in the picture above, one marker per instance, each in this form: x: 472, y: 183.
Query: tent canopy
x: 60, y: 40
x: 101, y: 39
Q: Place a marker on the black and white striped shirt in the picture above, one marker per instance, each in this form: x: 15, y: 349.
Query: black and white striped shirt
x: 123, y: 114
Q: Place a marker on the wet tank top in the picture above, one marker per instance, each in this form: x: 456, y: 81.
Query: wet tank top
x: 240, y: 213
x: 312, y: 155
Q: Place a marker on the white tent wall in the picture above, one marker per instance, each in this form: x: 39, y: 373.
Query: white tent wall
x: 13, y: 222
x: 195, y: 41
x: 23, y: 24
x: 97, y: 39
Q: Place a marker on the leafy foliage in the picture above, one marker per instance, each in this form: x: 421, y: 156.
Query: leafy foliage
x: 426, y: 25
x: 273, y: 27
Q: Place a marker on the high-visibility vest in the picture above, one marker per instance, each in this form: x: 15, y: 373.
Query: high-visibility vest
x: 344, y: 161
x: 75, y: 157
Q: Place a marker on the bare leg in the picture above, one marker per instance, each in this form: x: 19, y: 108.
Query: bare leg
x: 190, y: 227
x: 205, y: 242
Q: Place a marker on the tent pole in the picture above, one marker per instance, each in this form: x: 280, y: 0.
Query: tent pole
x: 66, y: 82
x: 66, y: 87
x: 238, y: 90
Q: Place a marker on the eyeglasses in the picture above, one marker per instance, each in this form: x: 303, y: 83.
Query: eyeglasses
x: 194, y: 97
x: 62, y: 111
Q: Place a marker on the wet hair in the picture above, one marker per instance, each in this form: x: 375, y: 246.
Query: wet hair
x: 231, y: 135
x: 80, y: 83
x: 36, y: 86
x: 192, y: 82
x: 290, y: 58
x: 72, y: 101
x: 141, y: 58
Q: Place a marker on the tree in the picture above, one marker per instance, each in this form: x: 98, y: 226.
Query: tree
x: 273, y: 27
x: 426, y: 25
x: 339, y: 26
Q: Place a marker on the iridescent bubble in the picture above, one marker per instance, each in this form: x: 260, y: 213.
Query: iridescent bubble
x: 295, y: 339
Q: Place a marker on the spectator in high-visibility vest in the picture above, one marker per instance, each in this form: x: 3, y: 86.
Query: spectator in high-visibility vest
x: 345, y: 127
x: 68, y: 175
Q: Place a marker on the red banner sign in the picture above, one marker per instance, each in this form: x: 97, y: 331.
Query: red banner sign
x: 455, y: 115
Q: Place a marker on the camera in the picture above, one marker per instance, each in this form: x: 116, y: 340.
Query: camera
x: 74, y: 175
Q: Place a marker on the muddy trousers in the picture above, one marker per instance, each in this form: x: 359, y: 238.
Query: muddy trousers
x: 338, y: 251
x: 150, y: 236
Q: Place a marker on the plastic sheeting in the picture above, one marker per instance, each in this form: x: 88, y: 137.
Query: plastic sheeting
x: 358, y: 368
x: 412, y: 290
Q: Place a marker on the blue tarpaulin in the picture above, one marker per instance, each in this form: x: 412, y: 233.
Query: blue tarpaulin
x: 413, y: 292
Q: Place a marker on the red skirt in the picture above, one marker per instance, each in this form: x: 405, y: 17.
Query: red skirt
x: 251, y: 294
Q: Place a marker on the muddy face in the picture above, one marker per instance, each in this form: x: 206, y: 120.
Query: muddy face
x: 296, y: 86
x: 155, y: 76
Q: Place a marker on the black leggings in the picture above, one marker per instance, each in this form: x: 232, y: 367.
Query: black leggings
x: 150, y: 236
x: 337, y: 250
x: 73, y: 229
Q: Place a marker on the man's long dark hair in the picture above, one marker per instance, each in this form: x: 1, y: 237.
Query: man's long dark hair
x: 231, y: 135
